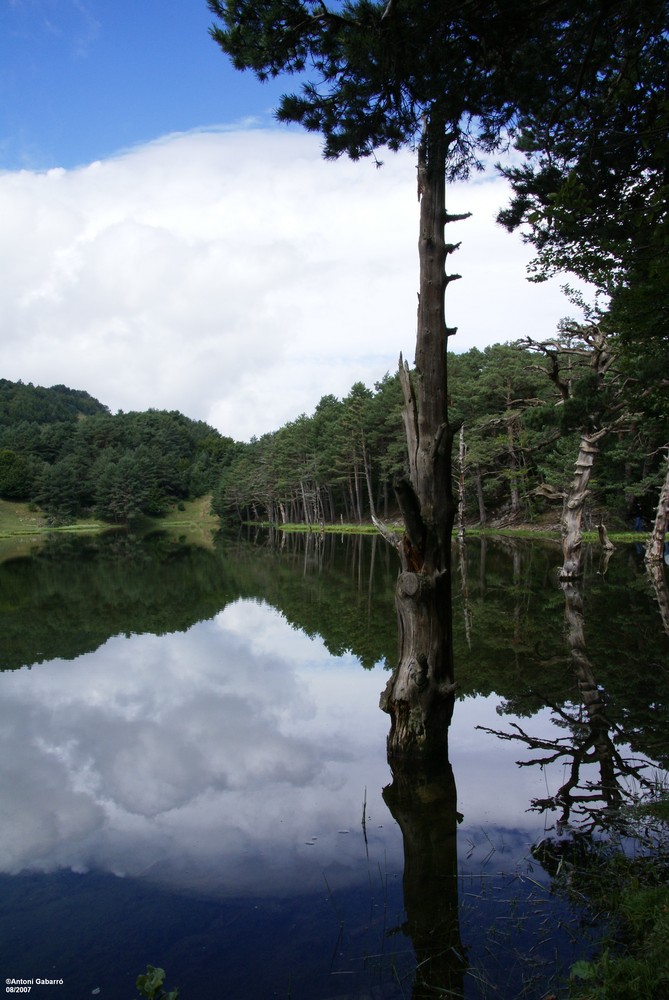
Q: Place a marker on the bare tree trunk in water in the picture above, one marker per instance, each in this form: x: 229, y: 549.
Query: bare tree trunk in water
x: 604, y: 539
x: 655, y: 547
x: 655, y: 552
x: 419, y: 695
x: 464, y: 583
x: 587, y: 803
x: 600, y: 740
x: 659, y: 581
x: 572, y: 514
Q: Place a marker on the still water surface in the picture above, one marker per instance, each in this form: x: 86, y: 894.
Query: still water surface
x: 193, y: 770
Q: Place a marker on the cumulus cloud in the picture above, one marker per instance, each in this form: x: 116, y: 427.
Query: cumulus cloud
x: 237, y: 277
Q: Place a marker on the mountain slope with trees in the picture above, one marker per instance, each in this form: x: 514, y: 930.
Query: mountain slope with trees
x: 63, y: 451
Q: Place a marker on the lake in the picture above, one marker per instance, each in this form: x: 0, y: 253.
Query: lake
x: 194, y: 774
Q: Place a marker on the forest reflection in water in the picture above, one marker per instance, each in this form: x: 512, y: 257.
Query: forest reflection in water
x: 194, y: 773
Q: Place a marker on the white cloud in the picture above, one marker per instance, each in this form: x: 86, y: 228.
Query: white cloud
x: 237, y: 277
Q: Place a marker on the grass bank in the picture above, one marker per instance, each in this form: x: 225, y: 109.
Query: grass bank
x: 17, y: 519
x: 187, y: 521
x: 24, y: 528
x: 520, y: 531
x: 194, y: 517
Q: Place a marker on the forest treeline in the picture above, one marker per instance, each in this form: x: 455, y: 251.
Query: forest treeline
x: 523, y: 409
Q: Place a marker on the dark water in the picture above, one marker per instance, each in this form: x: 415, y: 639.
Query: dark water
x: 193, y: 771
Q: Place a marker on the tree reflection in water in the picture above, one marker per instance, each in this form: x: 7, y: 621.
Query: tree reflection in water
x: 74, y: 596
x: 422, y: 800
x: 585, y: 802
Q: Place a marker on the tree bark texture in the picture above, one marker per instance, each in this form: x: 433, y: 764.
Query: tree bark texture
x: 419, y: 694
x: 655, y: 547
x: 659, y: 580
x: 572, y: 514
x: 462, y: 455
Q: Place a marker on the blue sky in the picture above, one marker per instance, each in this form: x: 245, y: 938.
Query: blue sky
x: 81, y: 80
x: 165, y: 243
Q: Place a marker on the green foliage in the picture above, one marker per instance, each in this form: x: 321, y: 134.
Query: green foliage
x: 16, y: 478
x: 376, y: 68
x: 593, y: 187
x: 637, y: 964
x: 520, y: 448
x: 63, y: 450
x: 337, y: 463
x: 592, y: 194
x: 20, y: 403
x: 150, y: 985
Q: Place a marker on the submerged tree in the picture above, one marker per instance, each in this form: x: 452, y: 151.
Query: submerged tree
x: 447, y: 80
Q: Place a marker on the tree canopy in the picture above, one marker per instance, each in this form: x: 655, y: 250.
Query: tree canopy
x: 592, y: 192
x: 370, y: 72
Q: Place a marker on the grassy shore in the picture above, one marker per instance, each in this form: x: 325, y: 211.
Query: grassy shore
x: 188, y: 521
x: 24, y: 528
x: 193, y: 519
x: 21, y: 519
x: 549, y: 532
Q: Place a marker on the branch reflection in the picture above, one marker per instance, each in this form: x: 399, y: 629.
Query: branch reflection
x: 585, y: 800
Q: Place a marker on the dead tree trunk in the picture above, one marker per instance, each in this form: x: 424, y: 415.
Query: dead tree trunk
x: 655, y: 547
x: 604, y: 539
x: 462, y: 453
x: 655, y: 552
x: 419, y: 694
x: 572, y: 514
x: 587, y: 348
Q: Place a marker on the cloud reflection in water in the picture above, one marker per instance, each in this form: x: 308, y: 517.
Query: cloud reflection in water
x: 228, y: 759
x: 221, y: 758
